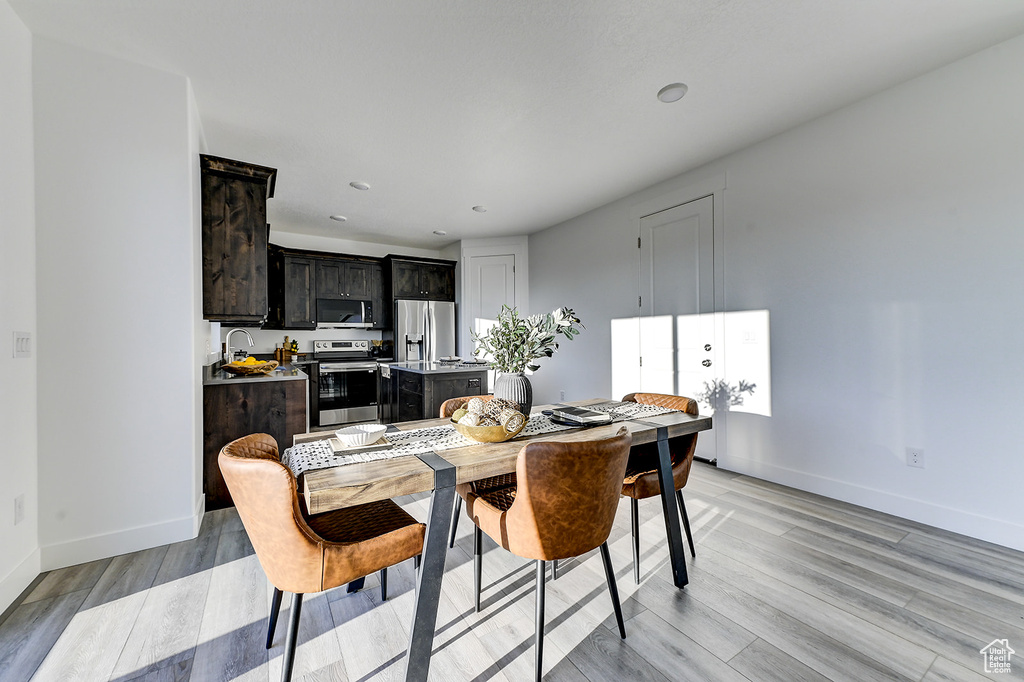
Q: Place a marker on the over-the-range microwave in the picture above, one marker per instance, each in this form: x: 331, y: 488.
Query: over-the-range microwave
x: 333, y: 313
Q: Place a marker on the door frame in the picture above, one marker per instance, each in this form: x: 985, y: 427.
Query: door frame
x: 713, y: 186
x: 518, y: 247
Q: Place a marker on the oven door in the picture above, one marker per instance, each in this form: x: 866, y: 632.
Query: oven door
x: 347, y: 392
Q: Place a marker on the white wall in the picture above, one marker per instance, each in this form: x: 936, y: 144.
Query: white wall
x: 19, y: 556
x: 115, y: 220
x: 885, y: 240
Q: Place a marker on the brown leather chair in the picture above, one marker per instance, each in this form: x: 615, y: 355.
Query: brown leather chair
x: 305, y: 554
x: 448, y: 408
x: 562, y: 506
x: 641, y: 479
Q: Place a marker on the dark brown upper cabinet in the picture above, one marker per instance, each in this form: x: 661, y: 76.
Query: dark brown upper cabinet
x: 422, y: 279
x: 292, y: 290
x: 339, y: 278
x: 235, y: 230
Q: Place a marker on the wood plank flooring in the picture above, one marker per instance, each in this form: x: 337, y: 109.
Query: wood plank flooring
x: 786, y: 586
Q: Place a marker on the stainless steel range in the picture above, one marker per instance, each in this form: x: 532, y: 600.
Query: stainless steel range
x: 346, y: 382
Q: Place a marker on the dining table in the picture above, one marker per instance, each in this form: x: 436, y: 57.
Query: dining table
x: 438, y: 472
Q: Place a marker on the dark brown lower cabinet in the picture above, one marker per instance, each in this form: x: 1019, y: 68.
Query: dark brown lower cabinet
x: 419, y: 396
x: 233, y: 410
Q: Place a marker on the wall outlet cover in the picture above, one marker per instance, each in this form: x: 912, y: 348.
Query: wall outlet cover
x: 915, y: 457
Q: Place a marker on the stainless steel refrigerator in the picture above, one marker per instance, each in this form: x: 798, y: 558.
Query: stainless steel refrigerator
x: 424, y: 330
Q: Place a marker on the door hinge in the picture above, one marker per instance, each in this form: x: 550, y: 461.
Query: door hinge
x: 638, y: 242
x: 641, y: 361
x: 639, y: 302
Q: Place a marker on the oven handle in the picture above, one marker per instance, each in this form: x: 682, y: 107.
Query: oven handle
x: 332, y: 368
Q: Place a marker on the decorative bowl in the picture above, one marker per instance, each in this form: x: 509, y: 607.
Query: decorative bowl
x: 487, y: 434
x: 253, y: 368
x: 360, y: 434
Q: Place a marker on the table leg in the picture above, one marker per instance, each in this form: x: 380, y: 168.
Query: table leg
x: 677, y: 557
x: 428, y: 582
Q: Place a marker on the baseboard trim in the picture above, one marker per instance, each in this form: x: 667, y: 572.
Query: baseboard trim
x: 997, y: 531
x: 15, y: 583
x: 63, y: 554
x: 198, y: 514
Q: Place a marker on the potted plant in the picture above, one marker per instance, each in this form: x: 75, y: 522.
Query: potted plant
x: 514, y: 344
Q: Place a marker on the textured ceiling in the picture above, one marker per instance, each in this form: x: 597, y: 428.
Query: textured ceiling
x: 537, y: 110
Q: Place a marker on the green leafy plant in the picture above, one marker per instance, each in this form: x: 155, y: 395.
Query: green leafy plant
x: 514, y: 343
x: 721, y: 395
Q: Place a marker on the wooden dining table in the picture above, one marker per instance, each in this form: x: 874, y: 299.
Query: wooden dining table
x: 438, y: 473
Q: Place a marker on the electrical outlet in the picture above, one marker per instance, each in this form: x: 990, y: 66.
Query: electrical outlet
x: 19, y: 509
x: 915, y: 457
x: 561, y: 395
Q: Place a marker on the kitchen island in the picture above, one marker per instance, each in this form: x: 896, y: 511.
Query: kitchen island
x: 236, y: 405
x: 415, y: 390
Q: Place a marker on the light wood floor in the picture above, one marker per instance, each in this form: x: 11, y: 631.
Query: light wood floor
x: 786, y: 586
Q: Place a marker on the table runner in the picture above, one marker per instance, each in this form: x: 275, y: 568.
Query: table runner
x: 319, y: 454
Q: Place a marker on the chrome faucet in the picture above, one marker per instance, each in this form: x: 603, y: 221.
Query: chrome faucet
x: 231, y: 349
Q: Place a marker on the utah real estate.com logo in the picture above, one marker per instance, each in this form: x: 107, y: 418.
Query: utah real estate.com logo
x: 997, y: 656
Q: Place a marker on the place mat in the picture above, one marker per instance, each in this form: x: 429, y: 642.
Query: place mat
x: 319, y: 454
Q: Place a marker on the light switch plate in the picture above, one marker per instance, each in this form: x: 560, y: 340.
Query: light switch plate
x: 22, y: 344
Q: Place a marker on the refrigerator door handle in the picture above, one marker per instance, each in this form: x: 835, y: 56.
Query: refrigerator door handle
x: 428, y: 340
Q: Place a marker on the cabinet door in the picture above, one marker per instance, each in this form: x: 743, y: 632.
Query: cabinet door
x: 299, y: 293
x: 438, y: 282
x: 234, y: 245
x: 381, y: 304
x: 406, y: 280
x: 330, y: 277
x: 356, y: 278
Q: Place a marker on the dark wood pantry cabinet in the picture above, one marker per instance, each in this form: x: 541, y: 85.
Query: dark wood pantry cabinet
x: 234, y: 239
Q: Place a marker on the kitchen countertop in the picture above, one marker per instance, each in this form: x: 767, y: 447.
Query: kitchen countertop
x: 216, y: 376
x: 425, y: 367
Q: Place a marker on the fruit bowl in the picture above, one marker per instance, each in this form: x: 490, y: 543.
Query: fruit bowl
x: 487, y: 434
x: 250, y: 367
x: 360, y: 434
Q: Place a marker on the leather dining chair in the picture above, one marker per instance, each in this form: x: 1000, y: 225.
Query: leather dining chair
x: 563, y: 505
x: 307, y: 554
x: 448, y: 408
x: 641, y: 480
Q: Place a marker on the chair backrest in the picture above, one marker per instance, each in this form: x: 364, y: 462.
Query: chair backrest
x: 267, y: 500
x: 449, y: 406
x: 681, y: 448
x: 566, y: 497
x: 676, y: 402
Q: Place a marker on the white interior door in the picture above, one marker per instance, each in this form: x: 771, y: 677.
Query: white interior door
x: 492, y: 284
x: 677, y: 333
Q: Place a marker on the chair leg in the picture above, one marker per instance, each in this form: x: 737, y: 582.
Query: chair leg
x: 416, y: 561
x: 613, y: 589
x: 275, y: 611
x: 478, y: 563
x: 384, y: 584
x: 538, y: 642
x: 291, y: 639
x: 554, y: 569
x: 456, y: 511
x: 634, y: 512
x: 686, y: 522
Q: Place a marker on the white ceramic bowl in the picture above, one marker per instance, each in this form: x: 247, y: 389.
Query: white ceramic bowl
x: 360, y: 434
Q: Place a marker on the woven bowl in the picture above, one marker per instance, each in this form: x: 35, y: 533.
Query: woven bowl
x: 255, y: 368
x: 487, y: 434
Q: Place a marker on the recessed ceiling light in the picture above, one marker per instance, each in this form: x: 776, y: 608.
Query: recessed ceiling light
x: 359, y: 185
x: 672, y: 92
x: 440, y: 233
x: 480, y: 209
x: 339, y: 218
